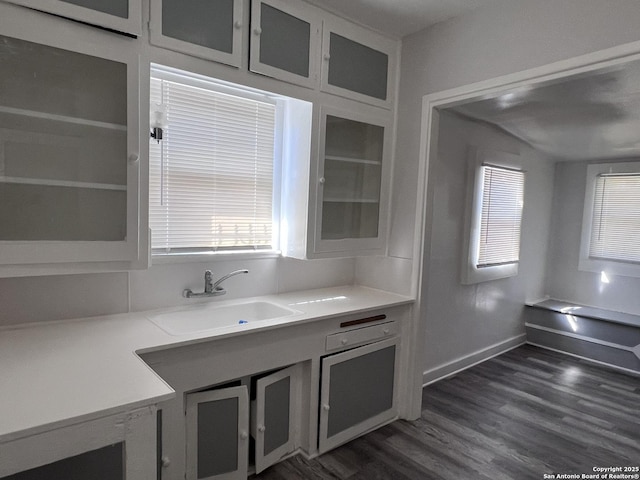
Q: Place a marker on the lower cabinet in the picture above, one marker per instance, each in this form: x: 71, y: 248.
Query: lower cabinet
x: 217, y: 434
x: 358, y: 392
x: 245, y: 403
x: 273, y: 414
x: 117, y: 447
x: 220, y: 441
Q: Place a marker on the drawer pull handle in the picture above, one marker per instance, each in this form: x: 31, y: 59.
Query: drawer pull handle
x: 385, y: 331
x: 360, y: 321
x: 344, y: 341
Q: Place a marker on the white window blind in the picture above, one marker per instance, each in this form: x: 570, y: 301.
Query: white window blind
x: 615, y: 227
x: 501, y: 216
x: 211, y: 177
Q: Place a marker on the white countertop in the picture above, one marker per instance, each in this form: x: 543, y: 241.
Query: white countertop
x: 59, y: 373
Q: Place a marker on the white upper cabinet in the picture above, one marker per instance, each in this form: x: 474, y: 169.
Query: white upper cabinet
x: 69, y: 137
x: 207, y: 29
x: 120, y: 15
x: 285, y: 41
x: 358, y: 63
x: 352, y: 187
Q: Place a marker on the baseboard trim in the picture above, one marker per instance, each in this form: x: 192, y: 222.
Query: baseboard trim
x: 451, y: 368
x: 598, y: 362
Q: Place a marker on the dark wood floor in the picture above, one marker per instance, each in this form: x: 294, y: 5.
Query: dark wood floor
x: 518, y: 416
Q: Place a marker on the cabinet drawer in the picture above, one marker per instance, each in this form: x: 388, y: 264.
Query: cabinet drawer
x: 361, y: 335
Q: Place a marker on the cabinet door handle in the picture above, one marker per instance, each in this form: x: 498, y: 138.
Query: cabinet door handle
x: 326, y: 407
x: 257, y: 31
x: 237, y: 24
x: 262, y: 428
x: 133, y: 159
x: 327, y: 57
x: 165, y: 461
x: 321, y: 180
x: 244, y: 435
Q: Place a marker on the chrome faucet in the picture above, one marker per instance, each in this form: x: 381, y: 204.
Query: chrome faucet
x: 211, y: 288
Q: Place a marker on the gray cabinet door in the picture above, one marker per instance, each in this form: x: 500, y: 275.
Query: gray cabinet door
x: 209, y: 29
x: 285, y: 41
x: 218, y: 434
x: 105, y: 463
x: 358, y: 63
x: 357, y: 392
x: 121, y: 15
x: 273, y: 416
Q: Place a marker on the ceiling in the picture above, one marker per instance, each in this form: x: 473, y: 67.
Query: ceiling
x: 591, y: 116
x: 400, y: 17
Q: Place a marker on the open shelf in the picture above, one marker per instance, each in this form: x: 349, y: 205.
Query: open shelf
x: 61, y: 183
x: 62, y: 118
x: 351, y: 200
x: 364, y: 161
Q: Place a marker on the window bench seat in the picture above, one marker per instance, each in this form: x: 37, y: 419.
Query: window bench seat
x: 605, y: 336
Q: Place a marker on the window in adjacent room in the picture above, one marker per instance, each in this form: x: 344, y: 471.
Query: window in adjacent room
x: 494, y: 221
x: 215, y: 173
x: 611, y: 220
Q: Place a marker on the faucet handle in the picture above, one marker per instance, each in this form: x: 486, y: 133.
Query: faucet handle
x: 208, y: 281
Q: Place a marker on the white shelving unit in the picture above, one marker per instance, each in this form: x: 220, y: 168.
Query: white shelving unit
x: 69, y: 145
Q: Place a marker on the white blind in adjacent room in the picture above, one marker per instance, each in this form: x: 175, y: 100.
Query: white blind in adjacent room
x: 211, y: 177
x: 501, y: 217
x: 615, y: 228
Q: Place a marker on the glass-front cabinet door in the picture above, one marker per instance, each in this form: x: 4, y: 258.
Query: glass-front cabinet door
x: 358, y: 63
x: 352, y: 183
x: 120, y: 15
x: 285, y: 41
x: 209, y: 29
x: 68, y: 153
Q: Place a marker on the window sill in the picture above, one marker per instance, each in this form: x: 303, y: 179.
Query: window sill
x: 610, y: 267
x: 471, y: 275
x: 169, y: 258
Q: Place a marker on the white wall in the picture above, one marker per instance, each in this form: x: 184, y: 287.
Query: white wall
x: 513, y: 36
x: 463, y: 321
x: 564, y: 280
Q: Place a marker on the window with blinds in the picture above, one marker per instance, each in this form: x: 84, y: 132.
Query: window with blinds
x: 615, y: 226
x: 501, y: 216
x: 212, y: 174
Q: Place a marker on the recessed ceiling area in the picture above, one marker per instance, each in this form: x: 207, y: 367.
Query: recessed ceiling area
x: 590, y: 116
x: 400, y: 17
